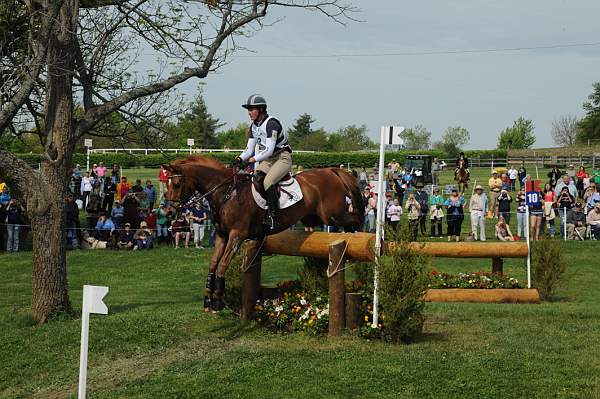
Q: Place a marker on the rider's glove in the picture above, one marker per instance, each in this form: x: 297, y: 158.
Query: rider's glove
x: 243, y: 164
x: 236, y: 162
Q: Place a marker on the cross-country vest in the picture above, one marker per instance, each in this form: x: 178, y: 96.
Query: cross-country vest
x: 260, y: 134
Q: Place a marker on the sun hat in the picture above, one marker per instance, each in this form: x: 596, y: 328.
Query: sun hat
x: 143, y: 224
x: 478, y: 187
x: 127, y: 224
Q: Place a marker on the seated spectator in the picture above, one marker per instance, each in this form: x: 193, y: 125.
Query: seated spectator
x: 503, y: 232
x: 116, y: 214
x: 576, y: 227
x: 126, y: 238
x: 593, y: 220
x: 104, y: 228
x: 143, y: 237
x: 180, y: 227
x: 591, y: 197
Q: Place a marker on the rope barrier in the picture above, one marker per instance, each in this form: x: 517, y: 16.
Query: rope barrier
x: 337, y: 267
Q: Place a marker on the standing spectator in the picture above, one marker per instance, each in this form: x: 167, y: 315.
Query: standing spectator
x: 152, y: 220
x: 110, y: 189
x: 92, y: 212
x: 554, y: 175
x: 565, y: 203
x: 3, y: 231
x: 549, y: 205
x: 87, y: 185
x: 436, y: 201
x: 504, y: 201
x: 143, y: 237
x: 72, y: 221
x: 394, y: 211
x: 521, y: 214
x: 571, y: 171
x: 180, y: 227
x: 413, y: 209
x: 371, y: 212
x: 593, y: 220
x: 436, y: 167
x: 117, y: 213
x: 114, y: 174
x: 522, y: 173
x: 388, y: 203
x: 123, y: 188
x: 505, y: 181
x: 565, y: 181
x: 2, y: 185
x: 162, y: 222
x: 101, y: 173
x: 4, y: 195
x: 76, y: 178
x: 423, y: 199
x: 581, y: 176
x: 137, y: 187
x: 14, y: 213
x: 197, y: 216
x: 576, y: 227
x: 503, y: 230
x: 366, y: 194
x: 477, y: 208
x: 513, y: 175
x: 126, y: 238
x: 362, y: 179
x: 495, y: 184
x: 455, y: 215
x: 163, y: 181
x: 536, y: 211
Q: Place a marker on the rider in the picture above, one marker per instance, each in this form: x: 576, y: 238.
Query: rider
x: 465, y: 164
x: 268, y: 145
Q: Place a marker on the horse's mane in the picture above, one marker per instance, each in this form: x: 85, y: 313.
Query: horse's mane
x: 198, y: 160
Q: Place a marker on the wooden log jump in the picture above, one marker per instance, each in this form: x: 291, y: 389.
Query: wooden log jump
x: 340, y: 247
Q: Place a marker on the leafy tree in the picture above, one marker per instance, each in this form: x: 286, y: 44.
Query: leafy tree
x: 519, y: 136
x: 416, y: 138
x: 82, y: 54
x: 454, y: 138
x: 350, y: 138
x: 196, y: 123
x: 300, y: 130
x: 235, y: 138
x: 589, y: 126
x: 317, y: 140
x: 564, y: 131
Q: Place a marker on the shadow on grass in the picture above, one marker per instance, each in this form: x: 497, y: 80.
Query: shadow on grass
x: 428, y: 337
x: 232, y: 328
x: 130, y: 306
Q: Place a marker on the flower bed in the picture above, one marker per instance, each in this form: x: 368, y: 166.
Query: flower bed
x: 478, y: 280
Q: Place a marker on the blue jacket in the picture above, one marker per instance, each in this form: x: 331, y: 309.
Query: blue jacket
x: 4, y: 198
x: 107, y: 225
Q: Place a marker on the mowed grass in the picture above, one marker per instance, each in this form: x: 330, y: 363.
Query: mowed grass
x: 156, y: 342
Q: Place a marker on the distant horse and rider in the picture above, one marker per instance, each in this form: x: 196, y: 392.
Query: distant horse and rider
x: 462, y: 174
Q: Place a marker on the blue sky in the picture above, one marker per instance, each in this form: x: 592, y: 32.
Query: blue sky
x: 483, y: 92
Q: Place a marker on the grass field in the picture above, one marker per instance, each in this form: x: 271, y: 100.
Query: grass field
x: 157, y: 343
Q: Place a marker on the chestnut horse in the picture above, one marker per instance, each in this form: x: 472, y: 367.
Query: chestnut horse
x: 461, y: 178
x: 237, y: 217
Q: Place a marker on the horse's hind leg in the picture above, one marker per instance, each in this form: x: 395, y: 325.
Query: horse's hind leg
x: 212, y: 270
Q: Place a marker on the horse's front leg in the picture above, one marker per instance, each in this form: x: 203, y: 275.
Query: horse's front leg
x: 233, y: 245
x: 220, y: 244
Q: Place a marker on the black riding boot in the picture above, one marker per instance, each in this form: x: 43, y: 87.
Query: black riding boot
x: 273, y: 211
x: 210, y: 289
x: 217, y: 303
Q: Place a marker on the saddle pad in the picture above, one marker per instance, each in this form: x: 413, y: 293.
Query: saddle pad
x: 289, y: 195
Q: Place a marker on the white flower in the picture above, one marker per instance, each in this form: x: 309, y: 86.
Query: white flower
x: 279, y: 309
x: 303, y: 301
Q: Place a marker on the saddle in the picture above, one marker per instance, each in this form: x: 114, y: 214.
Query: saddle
x: 281, y: 185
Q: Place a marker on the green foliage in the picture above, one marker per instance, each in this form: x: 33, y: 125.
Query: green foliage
x: 548, y: 267
x: 233, y: 282
x: 403, y: 282
x: 300, y: 130
x: 519, y: 136
x: 589, y: 126
x: 236, y: 137
x: 313, y: 277
x: 196, y: 123
x: 416, y: 138
x: 454, y: 138
x: 317, y: 140
x: 350, y: 138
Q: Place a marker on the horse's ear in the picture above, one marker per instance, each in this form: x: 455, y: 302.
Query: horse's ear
x: 167, y: 167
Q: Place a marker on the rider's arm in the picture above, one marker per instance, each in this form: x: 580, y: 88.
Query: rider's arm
x: 249, y: 149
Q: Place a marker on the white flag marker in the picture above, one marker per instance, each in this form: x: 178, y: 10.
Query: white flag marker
x: 92, y: 303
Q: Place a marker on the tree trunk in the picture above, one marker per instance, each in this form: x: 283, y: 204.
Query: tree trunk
x: 46, y: 204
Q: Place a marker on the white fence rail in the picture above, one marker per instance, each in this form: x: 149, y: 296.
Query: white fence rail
x: 146, y: 151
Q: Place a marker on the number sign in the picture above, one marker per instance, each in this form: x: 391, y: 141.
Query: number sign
x: 532, y: 198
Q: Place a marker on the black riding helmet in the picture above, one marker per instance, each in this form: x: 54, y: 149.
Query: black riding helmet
x: 255, y: 100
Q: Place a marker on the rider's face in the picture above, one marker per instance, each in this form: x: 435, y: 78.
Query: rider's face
x: 253, y: 113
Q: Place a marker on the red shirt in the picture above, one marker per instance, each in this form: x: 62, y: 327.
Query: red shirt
x: 151, y: 220
x: 582, y: 175
x: 163, y: 175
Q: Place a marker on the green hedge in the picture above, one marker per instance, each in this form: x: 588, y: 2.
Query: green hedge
x: 307, y: 160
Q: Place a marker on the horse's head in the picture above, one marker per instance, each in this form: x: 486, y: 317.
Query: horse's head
x: 179, y: 188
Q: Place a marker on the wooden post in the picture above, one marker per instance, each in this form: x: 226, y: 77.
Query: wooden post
x: 251, y: 283
x: 337, y: 288
x: 353, y: 315
x: 497, y: 265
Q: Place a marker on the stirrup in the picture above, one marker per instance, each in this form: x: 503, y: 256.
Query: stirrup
x: 270, y: 220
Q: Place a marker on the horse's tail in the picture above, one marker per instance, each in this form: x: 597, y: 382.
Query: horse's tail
x: 352, y: 191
